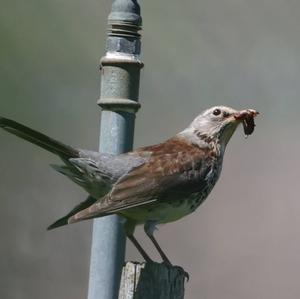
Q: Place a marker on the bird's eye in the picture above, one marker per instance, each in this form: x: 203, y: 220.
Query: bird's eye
x: 216, y: 112
x: 225, y: 114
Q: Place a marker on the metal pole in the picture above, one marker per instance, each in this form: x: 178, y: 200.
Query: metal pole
x: 120, y: 73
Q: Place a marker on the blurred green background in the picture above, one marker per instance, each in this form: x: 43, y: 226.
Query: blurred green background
x: 246, y: 54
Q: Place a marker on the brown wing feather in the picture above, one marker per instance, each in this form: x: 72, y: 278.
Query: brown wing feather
x: 172, y: 165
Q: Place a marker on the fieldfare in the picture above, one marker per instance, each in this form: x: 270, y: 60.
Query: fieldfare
x: 150, y: 185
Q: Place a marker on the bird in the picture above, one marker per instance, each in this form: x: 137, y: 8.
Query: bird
x: 150, y: 185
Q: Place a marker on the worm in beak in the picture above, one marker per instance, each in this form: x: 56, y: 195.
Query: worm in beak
x: 247, y: 117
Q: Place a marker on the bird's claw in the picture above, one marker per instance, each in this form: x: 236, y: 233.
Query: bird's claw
x: 184, y: 273
x: 180, y: 270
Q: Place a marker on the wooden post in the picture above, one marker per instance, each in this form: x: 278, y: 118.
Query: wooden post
x: 152, y: 281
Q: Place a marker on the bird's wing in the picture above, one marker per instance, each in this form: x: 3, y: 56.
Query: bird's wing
x: 172, y: 167
x: 64, y: 220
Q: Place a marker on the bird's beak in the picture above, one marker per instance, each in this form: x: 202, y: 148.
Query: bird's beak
x: 247, y: 118
x: 244, y: 114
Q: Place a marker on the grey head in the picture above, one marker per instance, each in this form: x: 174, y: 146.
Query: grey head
x: 217, y: 123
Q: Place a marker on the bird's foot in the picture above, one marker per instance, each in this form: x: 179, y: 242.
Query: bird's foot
x: 179, y: 269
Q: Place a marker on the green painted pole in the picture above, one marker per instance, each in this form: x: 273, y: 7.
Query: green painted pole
x: 120, y: 74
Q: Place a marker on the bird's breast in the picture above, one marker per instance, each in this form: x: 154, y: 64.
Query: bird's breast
x: 169, y: 211
x: 175, y: 205
x: 165, y: 211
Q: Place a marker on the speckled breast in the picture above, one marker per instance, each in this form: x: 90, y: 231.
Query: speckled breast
x: 164, y: 212
x: 181, y: 208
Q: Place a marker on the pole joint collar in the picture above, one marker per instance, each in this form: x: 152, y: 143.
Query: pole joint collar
x: 116, y: 58
x: 117, y: 104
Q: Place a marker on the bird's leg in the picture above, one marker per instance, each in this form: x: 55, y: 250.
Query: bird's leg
x: 139, y: 248
x: 149, y: 228
x: 129, y: 227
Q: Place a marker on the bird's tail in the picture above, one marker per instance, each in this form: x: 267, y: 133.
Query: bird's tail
x: 64, y: 220
x: 49, y: 144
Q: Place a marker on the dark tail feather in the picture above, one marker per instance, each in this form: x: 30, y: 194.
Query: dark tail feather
x: 64, y: 220
x: 39, y: 139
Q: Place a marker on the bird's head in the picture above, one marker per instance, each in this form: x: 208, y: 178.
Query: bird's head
x: 220, y: 122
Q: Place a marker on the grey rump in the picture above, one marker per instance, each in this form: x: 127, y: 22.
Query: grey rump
x: 151, y: 185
